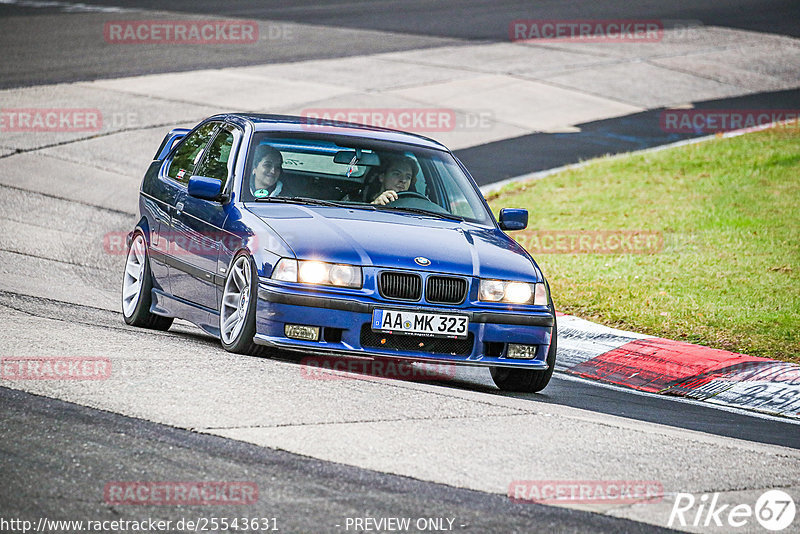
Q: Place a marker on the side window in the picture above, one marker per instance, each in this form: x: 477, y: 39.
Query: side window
x: 186, y: 156
x: 216, y: 162
x: 457, y: 202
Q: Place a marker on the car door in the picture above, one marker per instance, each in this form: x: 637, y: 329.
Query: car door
x: 197, y: 225
x: 173, y: 179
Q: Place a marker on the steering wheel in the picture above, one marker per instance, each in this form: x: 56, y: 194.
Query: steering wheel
x: 412, y: 199
x: 411, y: 194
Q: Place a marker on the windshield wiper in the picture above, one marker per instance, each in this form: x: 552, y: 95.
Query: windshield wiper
x: 429, y: 213
x: 318, y: 202
x: 299, y: 200
x: 357, y: 205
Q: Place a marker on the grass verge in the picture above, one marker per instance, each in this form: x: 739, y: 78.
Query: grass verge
x: 725, y: 274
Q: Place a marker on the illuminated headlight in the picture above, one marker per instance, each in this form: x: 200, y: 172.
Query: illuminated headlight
x: 513, y: 292
x: 318, y: 273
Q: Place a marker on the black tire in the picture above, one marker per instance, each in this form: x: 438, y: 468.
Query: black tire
x: 242, y: 343
x: 140, y: 315
x: 527, y: 380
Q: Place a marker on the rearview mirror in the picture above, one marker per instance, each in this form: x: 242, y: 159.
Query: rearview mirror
x: 368, y: 159
x: 205, y: 187
x: 513, y: 219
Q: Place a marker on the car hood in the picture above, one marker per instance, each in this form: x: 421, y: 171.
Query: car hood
x: 394, y: 239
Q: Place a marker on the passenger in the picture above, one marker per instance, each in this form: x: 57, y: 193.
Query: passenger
x: 396, y: 174
x: 265, y: 180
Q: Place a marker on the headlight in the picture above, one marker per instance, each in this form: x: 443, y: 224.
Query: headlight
x: 286, y: 270
x: 318, y: 273
x: 513, y: 292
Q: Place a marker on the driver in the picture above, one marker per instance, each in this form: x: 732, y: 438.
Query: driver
x: 395, y: 175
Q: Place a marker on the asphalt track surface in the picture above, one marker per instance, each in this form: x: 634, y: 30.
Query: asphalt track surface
x: 39, y: 48
x: 54, y: 452
x: 610, y: 136
x: 73, y: 450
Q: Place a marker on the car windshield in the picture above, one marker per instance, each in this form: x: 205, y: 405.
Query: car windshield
x: 359, y: 172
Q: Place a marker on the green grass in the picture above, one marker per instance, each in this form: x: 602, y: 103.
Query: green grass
x: 728, y: 275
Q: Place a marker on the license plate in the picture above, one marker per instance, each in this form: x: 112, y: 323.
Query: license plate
x: 426, y: 324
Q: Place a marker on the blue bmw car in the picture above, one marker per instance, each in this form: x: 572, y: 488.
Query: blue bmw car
x: 335, y: 239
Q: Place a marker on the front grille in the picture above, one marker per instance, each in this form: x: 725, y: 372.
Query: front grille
x: 400, y: 286
x: 401, y: 342
x: 445, y: 290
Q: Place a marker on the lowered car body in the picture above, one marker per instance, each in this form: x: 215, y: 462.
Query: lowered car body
x: 321, y: 264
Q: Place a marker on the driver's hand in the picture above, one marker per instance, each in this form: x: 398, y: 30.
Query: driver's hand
x: 386, y: 197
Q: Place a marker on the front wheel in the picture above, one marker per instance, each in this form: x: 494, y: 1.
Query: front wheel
x: 237, y: 313
x: 137, y: 285
x: 527, y: 380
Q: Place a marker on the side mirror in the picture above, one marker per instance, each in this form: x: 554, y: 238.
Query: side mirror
x: 513, y: 219
x: 205, y: 187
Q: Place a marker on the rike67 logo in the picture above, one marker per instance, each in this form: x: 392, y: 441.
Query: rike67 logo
x: 774, y: 510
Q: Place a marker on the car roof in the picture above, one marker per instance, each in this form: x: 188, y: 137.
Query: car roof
x: 291, y: 123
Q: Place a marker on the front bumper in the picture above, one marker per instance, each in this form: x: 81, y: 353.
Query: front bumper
x: 344, y: 323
